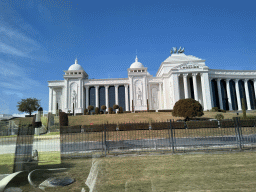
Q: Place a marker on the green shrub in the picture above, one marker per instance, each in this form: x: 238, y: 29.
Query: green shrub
x: 103, y: 107
x: 219, y: 116
x: 110, y: 110
x: 97, y: 110
x: 115, y: 107
x: 187, y: 108
x: 202, y: 124
x: 101, y: 112
x: 215, y: 109
x: 90, y: 107
x: 85, y: 111
x: 121, y: 110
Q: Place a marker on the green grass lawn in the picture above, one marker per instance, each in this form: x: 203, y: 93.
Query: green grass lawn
x: 45, y: 158
x: 206, y: 172
x: 178, y: 172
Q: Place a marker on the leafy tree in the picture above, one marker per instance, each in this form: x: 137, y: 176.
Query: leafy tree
x: 90, y: 107
x: 110, y: 110
x: 187, y: 108
x: 28, y: 105
x: 103, y: 107
x: 115, y: 107
x: 97, y: 110
x: 121, y: 110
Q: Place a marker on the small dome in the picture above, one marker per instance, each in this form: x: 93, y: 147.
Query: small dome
x: 75, y: 66
x: 136, y: 64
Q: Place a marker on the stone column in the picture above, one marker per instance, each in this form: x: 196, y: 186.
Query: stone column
x: 195, y: 86
x: 206, y: 91
x: 176, y: 88
x: 229, y: 95
x: 131, y: 93
x: 87, y: 96
x: 219, y: 93
x: 79, y: 96
x: 50, y: 99
x: 144, y: 92
x: 160, y: 98
x: 185, y: 81
x: 106, y: 96
x: 210, y: 83
x: 126, y: 98
x: 97, y: 95
x: 238, y: 95
x: 254, y: 83
x: 66, y: 95
x: 248, y: 101
x: 116, y: 96
x: 54, y: 101
x: 164, y: 94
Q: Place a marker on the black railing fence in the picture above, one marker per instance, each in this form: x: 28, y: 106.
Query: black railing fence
x: 169, y: 136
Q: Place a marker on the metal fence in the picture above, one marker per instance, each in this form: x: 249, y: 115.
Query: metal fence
x: 163, y: 137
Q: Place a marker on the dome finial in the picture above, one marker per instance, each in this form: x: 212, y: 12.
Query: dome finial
x: 76, y: 62
x: 136, y: 59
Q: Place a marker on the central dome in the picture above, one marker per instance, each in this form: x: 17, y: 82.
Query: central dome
x: 75, y: 66
x: 136, y: 64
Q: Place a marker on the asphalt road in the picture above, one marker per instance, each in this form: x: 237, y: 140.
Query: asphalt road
x: 54, y: 144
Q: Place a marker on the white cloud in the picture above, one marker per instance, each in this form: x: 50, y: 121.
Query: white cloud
x: 19, y: 94
x: 4, y: 48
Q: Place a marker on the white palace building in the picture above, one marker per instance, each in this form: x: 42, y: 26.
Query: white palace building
x: 179, y: 76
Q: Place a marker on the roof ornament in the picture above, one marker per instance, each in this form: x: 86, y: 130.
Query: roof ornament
x: 136, y: 59
x: 76, y: 62
x: 174, y: 50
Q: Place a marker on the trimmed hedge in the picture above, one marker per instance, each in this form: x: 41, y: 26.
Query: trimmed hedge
x: 165, y: 110
x: 92, y: 128
x: 70, y: 129
x: 152, y: 110
x: 133, y: 126
x: 127, y: 112
x: 202, y: 124
x: 227, y: 123
x: 178, y: 125
x: 160, y: 125
x: 247, y: 123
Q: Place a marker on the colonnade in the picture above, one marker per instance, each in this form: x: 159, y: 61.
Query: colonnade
x: 201, y: 88
x: 106, y: 96
x: 237, y: 90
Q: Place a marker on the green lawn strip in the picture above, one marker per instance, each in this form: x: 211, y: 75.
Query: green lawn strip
x: 48, y: 158
x: 220, y: 172
x: 45, y: 158
x: 6, y: 163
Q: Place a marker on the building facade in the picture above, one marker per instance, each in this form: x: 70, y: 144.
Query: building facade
x: 179, y: 76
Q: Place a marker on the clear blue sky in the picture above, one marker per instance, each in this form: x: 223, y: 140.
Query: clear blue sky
x: 41, y: 38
